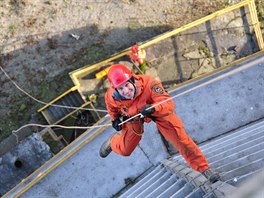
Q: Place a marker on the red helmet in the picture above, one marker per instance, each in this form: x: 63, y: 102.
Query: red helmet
x: 135, y: 49
x: 118, y: 74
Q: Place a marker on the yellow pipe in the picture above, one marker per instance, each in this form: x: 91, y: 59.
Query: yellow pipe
x: 102, y: 73
x: 74, y: 75
x: 59, y: 97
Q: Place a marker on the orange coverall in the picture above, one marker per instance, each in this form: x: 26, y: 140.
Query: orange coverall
x: 150, y: 91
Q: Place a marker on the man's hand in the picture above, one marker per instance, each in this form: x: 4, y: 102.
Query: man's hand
x: 147, y: 110
x: 115, y: 124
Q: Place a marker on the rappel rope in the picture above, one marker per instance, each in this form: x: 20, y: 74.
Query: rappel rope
x: 54, y: 125
x: 187, y: 91
x: 41, y: 102
x: 44, y: 103
x: 159, y: 103
x: 152, y: 106
x: 61, y: 126
x: 139, y: 114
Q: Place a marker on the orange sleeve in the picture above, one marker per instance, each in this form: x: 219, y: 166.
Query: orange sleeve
x: 159, y: 95
x: 112, y: 109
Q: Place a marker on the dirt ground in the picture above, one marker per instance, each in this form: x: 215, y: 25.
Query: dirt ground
x: 43, y: 40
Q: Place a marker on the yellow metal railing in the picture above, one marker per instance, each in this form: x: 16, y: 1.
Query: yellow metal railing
x: 254, y: 18
x: 77, y: 74
x: 58, y: 98
x: 85, y: 104
x: 256, y: 24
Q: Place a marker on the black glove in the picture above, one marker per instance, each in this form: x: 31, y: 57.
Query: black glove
x: 115, y: 124
x: 146, y: 112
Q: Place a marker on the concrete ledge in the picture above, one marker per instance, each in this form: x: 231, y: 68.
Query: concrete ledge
x: 223, y: 101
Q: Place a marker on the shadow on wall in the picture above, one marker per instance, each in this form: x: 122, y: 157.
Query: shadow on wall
x: 205, y: 47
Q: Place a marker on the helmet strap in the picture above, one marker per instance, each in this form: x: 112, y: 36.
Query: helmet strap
x: 132, y: 81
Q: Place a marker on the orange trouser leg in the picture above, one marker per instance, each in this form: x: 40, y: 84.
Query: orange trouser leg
x: 126, y: 142
x: 176, y: 135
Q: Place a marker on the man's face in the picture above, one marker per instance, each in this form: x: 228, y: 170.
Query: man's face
x: 127, y: 90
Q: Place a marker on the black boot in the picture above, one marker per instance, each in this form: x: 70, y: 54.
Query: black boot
x: 212, y: 176
x: 106, y: 149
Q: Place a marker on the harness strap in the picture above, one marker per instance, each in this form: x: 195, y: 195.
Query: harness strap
x: 141, y: 121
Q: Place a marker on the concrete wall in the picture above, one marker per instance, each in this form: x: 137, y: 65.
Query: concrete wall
x: 222, y: 102
x: 22, y: 160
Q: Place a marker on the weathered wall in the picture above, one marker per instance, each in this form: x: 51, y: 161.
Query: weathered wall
x: 25, y: 158
x: 224, y: 101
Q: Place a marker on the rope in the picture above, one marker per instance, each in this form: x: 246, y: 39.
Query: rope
x: 153, y: 106
x: 44, y: 103
x: 60, y: 126
x: 139, y: 114
x: 14, y: 132
x: 17, y: 138
x: 242, y: 68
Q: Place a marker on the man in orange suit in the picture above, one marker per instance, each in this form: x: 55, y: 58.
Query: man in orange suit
x: 132, y: 94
